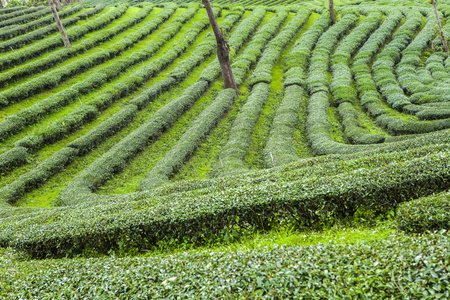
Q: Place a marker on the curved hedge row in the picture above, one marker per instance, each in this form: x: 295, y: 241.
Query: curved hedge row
x: 15, y: 30
x: 23, y: 15
x: 85, y: 113
x: 75, y: 33
x: 88, y: 180
x: 365, y: 85
x: 178, y: 154
x: 342, y: 90
x: 57, y: 76
x: 58, y: 56
x: 8, y: 10
x: 425, y: 214
x: 341, y: 80
x: 279, y: 149
x: 417, y: 266
x: 280, y: 144
x: 71, y: 230
x: 28, y: 116
x: 232, y: 155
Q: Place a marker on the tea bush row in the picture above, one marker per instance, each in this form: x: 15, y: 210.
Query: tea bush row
x: 57, y: 76
x: 86, y: 113
x: 23, y: 16
x: 232, y: 155
x: 75, y: 33
x: 417, y: 266
x: 32, y: 114
x: 425, y: 214
x: 280, y: 144
x: 153, y: 127
x: 305, y: 202
x: 51, y: 60
x: 15, y: 30
x: 186, y: 145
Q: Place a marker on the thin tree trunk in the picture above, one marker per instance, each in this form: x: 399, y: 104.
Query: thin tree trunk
x: 441, y: 32
x: 59, y: 24
x: 333, y: 17
x: 1, y: 4
x: 58, y: 5
x: 223, y: 49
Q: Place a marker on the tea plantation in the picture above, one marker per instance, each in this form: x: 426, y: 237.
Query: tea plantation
x: 127, y: 171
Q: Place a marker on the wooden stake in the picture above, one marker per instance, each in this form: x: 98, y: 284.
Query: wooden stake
x: 223, y: 49
x: 441, y: 32
x: 59, y: 24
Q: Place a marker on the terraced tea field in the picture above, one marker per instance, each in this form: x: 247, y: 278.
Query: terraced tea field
x: 127, y: 142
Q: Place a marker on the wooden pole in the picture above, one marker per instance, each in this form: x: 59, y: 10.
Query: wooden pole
x: 331, y: 6
x: 59, y: 24
x: 441, y: 32
x: 223, y: 49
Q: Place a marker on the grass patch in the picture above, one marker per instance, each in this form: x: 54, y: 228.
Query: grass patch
x: 336, y: 130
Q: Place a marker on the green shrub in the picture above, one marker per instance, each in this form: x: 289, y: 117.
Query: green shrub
x: 425, y: 214
x: 187, y: 144
x: 12, y: 192
x: 13, y: 158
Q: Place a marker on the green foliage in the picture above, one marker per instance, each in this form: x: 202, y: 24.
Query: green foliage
x: 23, y: 55
x: 139, y: 92
x: 425, y: 214
x: 13, y: 31
x: 281, y: 272
x: 205, y: 122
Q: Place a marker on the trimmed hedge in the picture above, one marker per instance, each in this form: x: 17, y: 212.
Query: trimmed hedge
x: 341, y: 81
x: 126, y: 115
x: 399, y: 126
x: 433, y: 114
x: 7, y: 10
x: 118, y: 156
x: 60, y: 55
x: 68, y: 231
x: 178, y: 154
x: 9, y: 33
x: 262, y: 71
x: 365, y: 85
x: 383, y: 67
x: 301, y: 51
x: 280, y: 144
x: 425, y: 214
x: 320, y: 166
x: 57, y: 76
x: 352, y: 129
x: 23, y: 16
x: 256, y: 46
x: 232, y: 155
x: 317, y: 78
x: 32, y: 114
x: 12, y: 192
x: 240, y: 35
x: 418, y: 266
x: 75, y: 33
x: 13, y: 158
x: 115, y: 123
